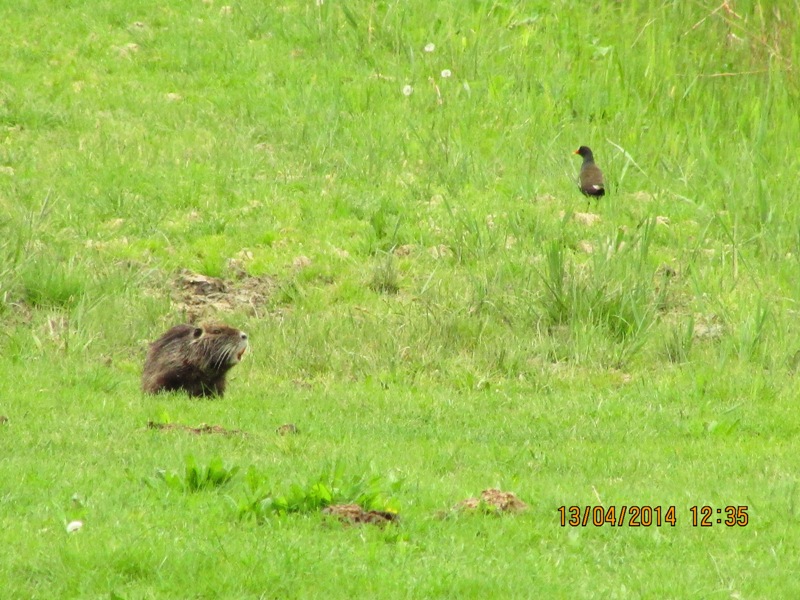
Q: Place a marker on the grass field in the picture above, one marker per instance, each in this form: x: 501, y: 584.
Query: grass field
x: 385, y: 192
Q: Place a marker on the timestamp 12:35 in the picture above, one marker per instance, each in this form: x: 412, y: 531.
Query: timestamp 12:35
x: 648, y: 516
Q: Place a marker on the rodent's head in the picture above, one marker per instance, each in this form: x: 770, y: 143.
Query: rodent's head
x: 220, y: 346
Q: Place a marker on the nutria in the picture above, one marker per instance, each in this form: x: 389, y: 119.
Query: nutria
x: 193, y: 359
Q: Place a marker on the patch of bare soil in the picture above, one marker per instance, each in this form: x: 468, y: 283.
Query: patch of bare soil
x: 583, y: 218
x: 708, y: 327
x: 493, y: 501
x: 200, y: 429
x: 200, y: 296
x: 287, y: 429
x: 666, y: 270
x: 21, y: 312
x: 354, y: 514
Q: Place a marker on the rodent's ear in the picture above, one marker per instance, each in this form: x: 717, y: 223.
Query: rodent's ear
x: 197, y: 332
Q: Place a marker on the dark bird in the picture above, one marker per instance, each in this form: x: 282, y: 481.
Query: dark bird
x: 591, y: 177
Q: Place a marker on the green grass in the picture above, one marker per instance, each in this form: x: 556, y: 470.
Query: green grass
x: 435, y: 318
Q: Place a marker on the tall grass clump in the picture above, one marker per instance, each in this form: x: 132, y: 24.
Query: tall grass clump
x: 622, y: 302
x: 46, y: 283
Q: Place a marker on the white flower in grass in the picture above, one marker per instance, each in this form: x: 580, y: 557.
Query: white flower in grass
x: 430, y: 47
x: 447, y: 73
x: 74, y: 526
x: 407, y: 90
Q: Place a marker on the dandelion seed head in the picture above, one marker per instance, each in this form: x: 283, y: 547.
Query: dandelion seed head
x: 430, y: 47
x: 447, y: 73
x: 407, y: 90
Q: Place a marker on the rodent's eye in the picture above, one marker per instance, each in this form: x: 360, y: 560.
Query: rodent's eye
x: 197, y: 332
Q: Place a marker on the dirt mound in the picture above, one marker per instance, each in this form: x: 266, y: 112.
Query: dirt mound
x: 493, y: 501
x: 200, y: 295
x: 287, y: 429
x: 354, y: 514
x: 200, y: 429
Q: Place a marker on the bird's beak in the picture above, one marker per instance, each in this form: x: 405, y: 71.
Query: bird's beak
x: 576, y: 152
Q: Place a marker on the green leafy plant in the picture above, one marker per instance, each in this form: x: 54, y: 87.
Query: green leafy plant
x: 330, y: 487
x: 197, y: 478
